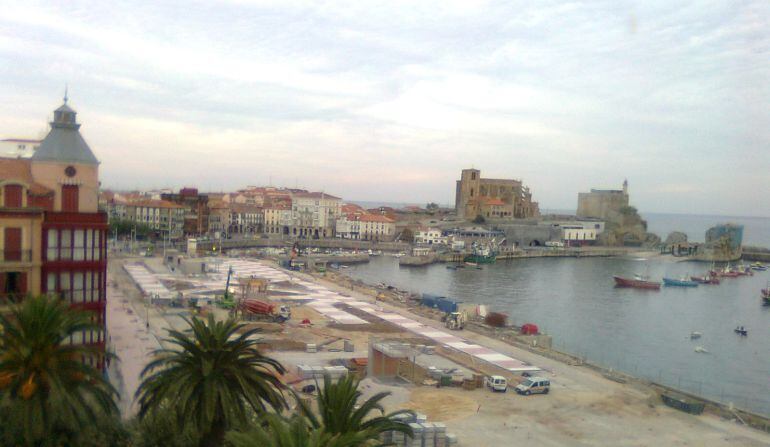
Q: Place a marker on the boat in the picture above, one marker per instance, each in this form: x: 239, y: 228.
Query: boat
x: 766, y: 295
x: 670, y: 282
x: 639, y: 282
x: 706, y: 279
x: 695, y: 335
x: 701, y: 350
x: 758, y: 267
x: 481, y: 254
x: 743, y: 332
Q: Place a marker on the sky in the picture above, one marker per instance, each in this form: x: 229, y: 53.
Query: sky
x: 388, y: 101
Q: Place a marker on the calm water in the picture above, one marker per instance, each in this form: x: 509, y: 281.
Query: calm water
x: 645, y: 333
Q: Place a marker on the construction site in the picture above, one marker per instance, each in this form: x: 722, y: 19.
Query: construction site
x: 434, y: 358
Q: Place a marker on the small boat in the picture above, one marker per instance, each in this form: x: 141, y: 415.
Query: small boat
x: 695, y: 335
x: 701, y: 350
x: 670, y: 282
x: 743, y: 332
x: 451, y: 267
x: 706, y: 279
x: 639, y: 282
x: 766, y: 295
x: 758, y: 267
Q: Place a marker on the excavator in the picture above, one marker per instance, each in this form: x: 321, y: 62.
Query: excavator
x: 455, y: 320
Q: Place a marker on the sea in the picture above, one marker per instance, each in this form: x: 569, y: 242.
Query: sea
x: 644, y: 333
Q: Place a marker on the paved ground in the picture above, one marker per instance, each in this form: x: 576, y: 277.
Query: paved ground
x: 583, y: 408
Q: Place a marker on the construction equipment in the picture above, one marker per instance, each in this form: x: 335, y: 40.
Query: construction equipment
x: 256, y: 310
x: 455, y: 320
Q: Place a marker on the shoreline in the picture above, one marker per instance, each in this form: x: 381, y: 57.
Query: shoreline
x: 383, y: 295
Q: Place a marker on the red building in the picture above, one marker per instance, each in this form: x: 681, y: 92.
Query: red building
x: 53, y: 235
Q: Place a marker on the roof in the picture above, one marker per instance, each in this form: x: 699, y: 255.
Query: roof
x: 16, y: 169
x: 244, y: 208
x: 20, y: 140
x: 315, y: 195
x: 64, y: 142
x: 20, y: 169
x: 151, y: 203
x: 374, y: 218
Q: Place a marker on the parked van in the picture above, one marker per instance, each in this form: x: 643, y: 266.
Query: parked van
x: 533, y: 385
x: 496, y: 383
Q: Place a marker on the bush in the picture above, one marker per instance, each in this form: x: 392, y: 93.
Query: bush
x: 479, y: 219
x: 496, y: 319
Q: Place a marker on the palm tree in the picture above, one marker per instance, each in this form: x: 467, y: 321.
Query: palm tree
x: 341, y: 414
x: 296, y: 431
x: 213, y: 379
x: 47, y: 392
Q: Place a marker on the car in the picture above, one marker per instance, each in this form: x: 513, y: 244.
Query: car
x: 496, y: 383
x: 534, y: 385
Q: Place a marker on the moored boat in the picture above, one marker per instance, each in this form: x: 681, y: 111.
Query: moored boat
x: 671, y: 282
x: 707, y: 279
x: 758, y: 267
x: 638, y: 282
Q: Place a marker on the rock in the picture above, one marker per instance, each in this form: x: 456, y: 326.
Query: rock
x: 676, y: 237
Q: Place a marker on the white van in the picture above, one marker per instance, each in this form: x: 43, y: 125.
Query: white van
x: 533, y: 385
x: 496, y: 383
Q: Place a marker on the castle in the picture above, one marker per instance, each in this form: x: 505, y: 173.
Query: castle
x: 492, y: 198
x: 605, y: 204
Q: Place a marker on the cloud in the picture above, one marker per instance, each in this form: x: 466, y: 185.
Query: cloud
x: 389, y: 100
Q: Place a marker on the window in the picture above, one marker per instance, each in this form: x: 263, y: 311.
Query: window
x: 65, y: 252
x: 78, y: 292
x: 51, y: 283
x: 13, y: 196
x: 53, y: 246
x: 79, y: 249
x: 64, y: 286
x: 69, y: 198
x: 12, y: 248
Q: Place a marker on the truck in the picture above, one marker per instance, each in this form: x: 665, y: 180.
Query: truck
x: 256, y: 310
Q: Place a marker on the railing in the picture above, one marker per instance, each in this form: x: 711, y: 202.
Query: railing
x: 15, y: 255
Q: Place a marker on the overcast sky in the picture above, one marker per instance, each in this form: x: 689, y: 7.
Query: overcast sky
x: 388, y: 101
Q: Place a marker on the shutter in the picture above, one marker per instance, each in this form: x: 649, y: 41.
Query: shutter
x: 23, y: 283
x: 12, y: 247
x: 13, y: 196
x: 69, y: 198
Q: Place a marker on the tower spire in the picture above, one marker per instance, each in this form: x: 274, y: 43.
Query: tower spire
x: 66, y: 87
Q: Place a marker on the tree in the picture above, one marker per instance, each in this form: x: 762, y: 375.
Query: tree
x: 213, y: 380
x: 341, y: 414
x: 48, y: 395
x: 295, y: 431
x: 124, y: 227
x: 431, y: 206
x: 407, y: 235
x: 479, y: 219
x: 341, y: 421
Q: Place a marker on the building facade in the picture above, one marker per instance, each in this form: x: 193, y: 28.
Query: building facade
x: 196, y: 216
x: 246, y: 219
x: 53, y: 234
x: 165, y: 218
x: 602, y: 203
x: 475, y: 196
x: 429, y: 236
x: 18, y: 147
x: 314, y: 214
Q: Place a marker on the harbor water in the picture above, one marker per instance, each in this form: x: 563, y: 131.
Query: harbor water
x: 644, y: 333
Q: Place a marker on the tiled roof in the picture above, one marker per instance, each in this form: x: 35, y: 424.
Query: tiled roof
x: 374, y: 218
x: 154, y: 204
x: 315, y: 195
x: 16, y: 169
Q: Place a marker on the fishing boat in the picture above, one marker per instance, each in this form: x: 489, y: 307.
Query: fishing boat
x: 758, y: 267
x: 670, y: 282
x: 705, y: 279
x: 742, y: 331
x: 481, y: 254
x: 638, y: 282
x: 766, y: 295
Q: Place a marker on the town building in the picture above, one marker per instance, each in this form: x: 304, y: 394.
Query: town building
x: 53, y: 234
x: 278, y: 218
x: 219, y: 217
x: 196, y: 216
x: 18, y: 147
x: 603, y: 204
x: 314, y: 214
x: 429, y: 236
x: 246, y: 219
x: 163, y: 217
x: 348, y: 226
x: 365, y: 226
x: 475, y: 196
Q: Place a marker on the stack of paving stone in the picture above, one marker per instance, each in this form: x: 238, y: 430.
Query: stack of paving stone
x: 426, y: 434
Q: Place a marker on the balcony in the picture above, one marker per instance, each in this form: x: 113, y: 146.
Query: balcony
x: 15, y: 255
